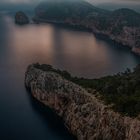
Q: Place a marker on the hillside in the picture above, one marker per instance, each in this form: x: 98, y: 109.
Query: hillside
x: 65, y: 9
x: 122, y: 25
x: 122, y: 90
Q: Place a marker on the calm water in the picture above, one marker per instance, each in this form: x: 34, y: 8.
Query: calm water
x: 78, y: 52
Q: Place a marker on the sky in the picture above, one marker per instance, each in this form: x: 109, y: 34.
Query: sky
x: 115, y: 1
x: 93, y: 1
x: 105, y: 4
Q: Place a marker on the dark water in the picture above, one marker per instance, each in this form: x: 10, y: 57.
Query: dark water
x: 80, y: 53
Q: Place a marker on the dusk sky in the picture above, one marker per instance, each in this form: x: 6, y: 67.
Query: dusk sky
x: 115, y: 1
x: 94, y: 1
x: 105, y: 4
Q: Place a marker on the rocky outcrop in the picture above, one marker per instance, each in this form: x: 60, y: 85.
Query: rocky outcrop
x: 21, y: 18
x: 85, y: 116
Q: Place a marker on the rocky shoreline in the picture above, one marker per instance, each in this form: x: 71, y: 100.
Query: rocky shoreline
x: 85, y: 116
x: 121, y: 25
x: 126, y: 37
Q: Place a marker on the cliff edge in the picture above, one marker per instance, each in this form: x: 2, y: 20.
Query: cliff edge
x: 85, y: 116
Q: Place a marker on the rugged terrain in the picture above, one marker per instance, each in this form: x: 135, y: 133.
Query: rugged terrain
x: 122, y: 25
x: 85, y: 116
x: 21, y: 18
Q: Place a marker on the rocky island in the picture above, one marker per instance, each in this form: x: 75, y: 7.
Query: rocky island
x: 122, y: 25
x: 87, y: 117
x: 21, y: 18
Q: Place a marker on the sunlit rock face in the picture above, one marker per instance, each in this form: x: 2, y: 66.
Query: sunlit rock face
x: 21, y: 18
x: 85, y: 116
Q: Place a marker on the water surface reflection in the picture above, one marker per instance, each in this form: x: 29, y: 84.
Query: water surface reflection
x: 78, y: 52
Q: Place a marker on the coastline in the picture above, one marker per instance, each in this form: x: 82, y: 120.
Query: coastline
x: 100, y: 34
x: 63, y: 24
x: 85, y: 116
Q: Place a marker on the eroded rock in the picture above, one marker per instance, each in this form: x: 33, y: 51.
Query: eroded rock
x: 85, y: 116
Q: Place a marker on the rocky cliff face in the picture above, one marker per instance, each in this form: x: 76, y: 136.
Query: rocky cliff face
x: 21, y: 18
x: 85, y: 116
x: 122, y: 25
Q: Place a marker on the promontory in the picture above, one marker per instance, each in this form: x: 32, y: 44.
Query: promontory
x: 121, y: 25
x: 86, y: 117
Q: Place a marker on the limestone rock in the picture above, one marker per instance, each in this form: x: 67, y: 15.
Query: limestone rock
x: 85, y: 116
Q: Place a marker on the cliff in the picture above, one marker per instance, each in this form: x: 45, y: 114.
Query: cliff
x: 21, y: 18
x: 85, y: 116
x: 122, y: 25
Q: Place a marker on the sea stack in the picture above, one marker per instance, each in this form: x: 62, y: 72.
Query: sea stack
x: 84, y: 115
x: 21, y: 18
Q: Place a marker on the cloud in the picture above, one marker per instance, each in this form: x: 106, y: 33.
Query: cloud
x: 92, y: 1
x: 19, y: 1
x: 114, y: 1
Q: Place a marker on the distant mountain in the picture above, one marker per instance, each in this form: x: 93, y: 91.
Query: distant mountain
x: 122, y: 25
x: 64, y: 9
x: 113, y: 6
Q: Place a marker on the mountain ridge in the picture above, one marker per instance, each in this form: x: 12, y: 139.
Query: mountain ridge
x: 122, y: 25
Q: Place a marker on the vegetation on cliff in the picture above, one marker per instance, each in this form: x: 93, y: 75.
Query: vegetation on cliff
x: 87, y: 117
x: 122, y: 90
